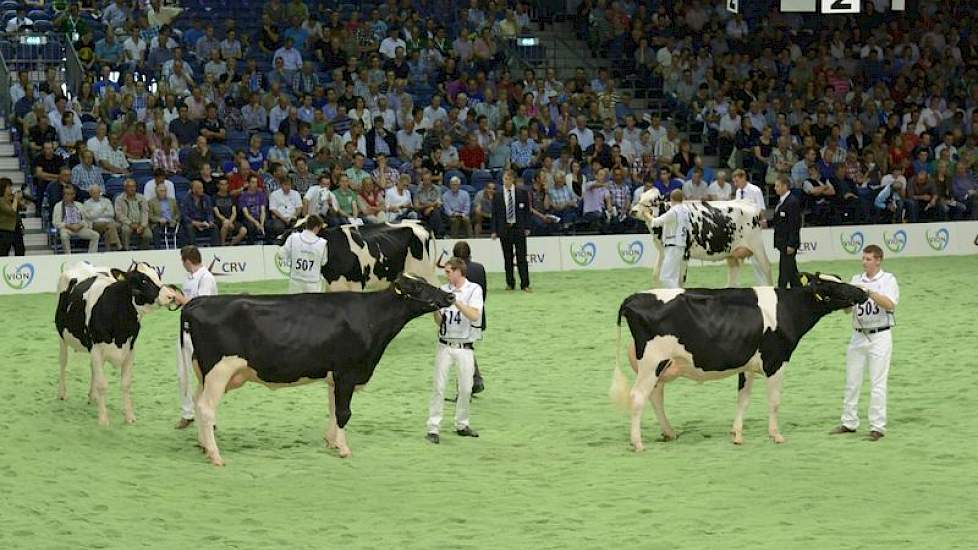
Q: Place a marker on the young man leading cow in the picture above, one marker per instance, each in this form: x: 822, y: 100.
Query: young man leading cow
x: 200, y: 282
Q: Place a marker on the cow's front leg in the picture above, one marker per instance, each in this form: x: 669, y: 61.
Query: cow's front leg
x: 215, y: 384
x: 62, y: 364
x: 343, y: 395
x: 99, y: 386
x: 657, y: 273
x: 126, y: 385
x: 331, y: 423
x: 774, y: 383
x: 744, y: 382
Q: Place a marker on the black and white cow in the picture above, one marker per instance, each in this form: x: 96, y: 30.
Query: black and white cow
x: 721, y: 230
x: 370, y: 257
x: 99, y: 311
x: 291, y: 340
x: 706, y: 334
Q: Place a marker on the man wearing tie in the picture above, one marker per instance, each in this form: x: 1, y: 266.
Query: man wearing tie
x: 787, y: 232
x: 510, y: 223
x: 748, y: 191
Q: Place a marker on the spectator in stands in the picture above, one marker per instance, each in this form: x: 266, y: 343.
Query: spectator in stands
x: 197, y: 216
x: 964, y: 190
x: 199, y: 156
x: 167, y: 157
x: 541, y: 220
x: 132, y: 213
x: 86, y: 174
x: 285, y: 206
x: 397, y: 201
x: 482, y: 208
x: 596, y: 200
x: 319, y: 200
x: 100, y: 213
x: 356, y: 173
x: 184, y: 128
x: 251, y: 203
x: 113, y: 161
x: 47, y: 167
x: 379, y: 140
x: 666, y: 183
x: 720, y: 189
x: 69, y: 219
x: 226, y: 216
x: 164, y: 215
x: 696, y: 189
x: 819, y: 194
x: 159, y: 178
x: 457, y: 206
x: 302, y: 179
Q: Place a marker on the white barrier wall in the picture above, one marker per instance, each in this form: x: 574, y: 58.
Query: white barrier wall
x: 33, y: 274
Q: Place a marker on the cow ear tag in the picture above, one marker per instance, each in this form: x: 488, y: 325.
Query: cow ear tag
x: 397, y: 290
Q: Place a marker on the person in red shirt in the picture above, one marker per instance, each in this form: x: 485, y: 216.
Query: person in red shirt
x: 135, y: 142
x: 238, y: 180
x: 472, y: 156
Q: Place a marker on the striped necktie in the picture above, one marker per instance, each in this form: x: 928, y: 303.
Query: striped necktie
x: 510, y: 207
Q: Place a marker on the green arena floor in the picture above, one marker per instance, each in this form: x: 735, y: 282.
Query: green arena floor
x: 552, y: 469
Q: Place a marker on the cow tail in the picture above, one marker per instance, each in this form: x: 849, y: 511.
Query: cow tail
x: 618, y: 393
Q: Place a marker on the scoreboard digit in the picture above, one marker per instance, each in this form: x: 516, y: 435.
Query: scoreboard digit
x: 835, y: 7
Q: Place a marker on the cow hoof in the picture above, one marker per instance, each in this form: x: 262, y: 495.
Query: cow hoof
x: 737, y: 439
x: 638, y: 447
x: 666, y: 437
x: 217, y: 462
x: 777, y: 438
x: 103, y: 421
x: 345, y: 452
x: 131, y: 419
x: 62, y: 396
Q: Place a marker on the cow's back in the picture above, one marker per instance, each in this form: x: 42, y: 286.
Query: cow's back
x: 717, y: 228
x: 370, y: 257
x: 94, y: 308
x: 720, y: 328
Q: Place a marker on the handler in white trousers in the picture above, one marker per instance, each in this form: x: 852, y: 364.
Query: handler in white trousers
x: 747, y: 191
x: 199, y: 282
x: 675, y: 231
x: 305, y: 254
x: 871, y: 345
x: 457, y: 330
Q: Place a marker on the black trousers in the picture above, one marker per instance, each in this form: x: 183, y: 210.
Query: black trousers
x: 788, y: 270
x: 513, y: 241
x: 12, y: 239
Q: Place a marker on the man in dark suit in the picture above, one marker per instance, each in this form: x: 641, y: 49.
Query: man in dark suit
x: 378, y: 131
x: 475, y: 272
x: 511, y: 224
x: 787, y: 232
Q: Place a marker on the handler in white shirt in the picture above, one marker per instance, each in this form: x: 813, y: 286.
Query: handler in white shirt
x: 675, y: 229
x: 199, y: 282
x: 458, y: 327
x: 305, y: 254
x: 871, y: 345
x: 749, y: 192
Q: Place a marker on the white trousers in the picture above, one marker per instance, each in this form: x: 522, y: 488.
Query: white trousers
x: 300, y: 287
x: 185, y: 376
x: 672, y: 267
x: 464, y: 360
x: 874, y: 351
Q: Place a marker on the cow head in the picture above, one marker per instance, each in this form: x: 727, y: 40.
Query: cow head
x: 831, y: 292
x: 649, y: 205
x: 416, y: 289
x: 145, y: 286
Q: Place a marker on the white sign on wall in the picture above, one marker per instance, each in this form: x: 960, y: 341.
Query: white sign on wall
x: 837, y: 7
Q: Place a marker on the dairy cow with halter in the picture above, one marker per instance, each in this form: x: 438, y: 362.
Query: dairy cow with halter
x: 719, y: 230
x: 370, y: 257
x: 99, y: 312
x: 707, y: 334
x: 279, y: 341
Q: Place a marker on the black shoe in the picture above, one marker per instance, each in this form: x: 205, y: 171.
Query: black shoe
x: 467, y: 432
x: 478, y: 387
x: 433, y: 437
x: 452, y: 399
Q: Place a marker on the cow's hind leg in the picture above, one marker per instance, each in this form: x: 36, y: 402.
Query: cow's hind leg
x: 644, y: 383
x: 744, y: 382
x: 733, y: 272
x: 215, y: 384
x: 774, y: 382
x: 63, y: 365
x: 99, y: 385
x: 343, y: 395
x: 126, y: 384
x: 666, y: 372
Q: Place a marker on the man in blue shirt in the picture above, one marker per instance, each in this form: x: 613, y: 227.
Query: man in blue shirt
x: 524, y: 151
x: 456, y: 204
x: 197, y: 211
x: 666, y: 184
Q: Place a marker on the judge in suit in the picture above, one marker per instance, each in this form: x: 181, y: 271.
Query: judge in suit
x: 787, y: 232
x: 511, y: 224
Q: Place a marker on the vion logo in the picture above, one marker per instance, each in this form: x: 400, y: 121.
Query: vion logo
x: 852, y: 242
x: 939, y: 239
x: 584, y: 254
x: 897, y: 242
x: 280, y: 264
x: 19, y: 277
x: 631, y: 253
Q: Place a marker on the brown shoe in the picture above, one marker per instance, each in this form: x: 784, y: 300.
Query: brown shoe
x: 875, y: 435
x: 841, y: 430
x: 184, y: 423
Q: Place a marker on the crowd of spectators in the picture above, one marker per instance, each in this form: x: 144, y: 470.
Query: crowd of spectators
x: 220, y: 131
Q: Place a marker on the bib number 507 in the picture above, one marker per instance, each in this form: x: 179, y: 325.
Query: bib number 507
x: 304, y: 265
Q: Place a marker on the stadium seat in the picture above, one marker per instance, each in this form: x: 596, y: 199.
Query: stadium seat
x: 43, y: 26
x: 480, y: 178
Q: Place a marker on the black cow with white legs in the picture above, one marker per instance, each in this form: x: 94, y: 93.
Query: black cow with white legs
x: 370, y: 257
x: 280, y: 341
x: 706, y: 334
x: 99, y: 311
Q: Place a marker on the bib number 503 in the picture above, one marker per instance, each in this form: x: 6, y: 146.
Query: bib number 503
x: 868, y: 307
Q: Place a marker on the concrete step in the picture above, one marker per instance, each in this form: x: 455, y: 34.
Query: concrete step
x: 4, y: 136
x: 6, y: 149
x: 9, y: 163
x: 32, y: 223
x: 15, y: 176
x: 35, y: 240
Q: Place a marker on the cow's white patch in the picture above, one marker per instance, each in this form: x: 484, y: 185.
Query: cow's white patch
x: 148, y: 271
x: 767, y: 301
x: 668, y: 347
x: 830, y: 278
x: 666, y: 294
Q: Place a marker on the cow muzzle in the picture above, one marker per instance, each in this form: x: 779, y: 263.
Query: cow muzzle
x: 168, y: 297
